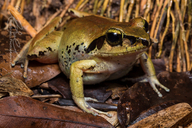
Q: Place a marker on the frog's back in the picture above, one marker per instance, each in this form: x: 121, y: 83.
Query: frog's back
x: 78, y: 34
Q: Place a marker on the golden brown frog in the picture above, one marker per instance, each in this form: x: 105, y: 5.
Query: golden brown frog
x: 92, y: 49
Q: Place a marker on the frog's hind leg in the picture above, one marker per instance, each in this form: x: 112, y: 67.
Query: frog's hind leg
x: 36, y: 45
x: 76, y: 84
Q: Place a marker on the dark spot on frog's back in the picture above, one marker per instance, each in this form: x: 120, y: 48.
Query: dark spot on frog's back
x: 69, y: 51
x: 49, y: 49
x: 32, y: 56
x: 42, y: 53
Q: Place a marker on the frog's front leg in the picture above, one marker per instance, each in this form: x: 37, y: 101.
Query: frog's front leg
x: 149, y: 69
x: 76, y: 84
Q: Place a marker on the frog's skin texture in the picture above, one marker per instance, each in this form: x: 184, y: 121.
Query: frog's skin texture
x: 90, y: 50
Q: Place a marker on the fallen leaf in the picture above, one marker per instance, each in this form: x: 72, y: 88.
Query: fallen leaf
x: 24, y: 112
x: 171, y: 117
x: 141, y: 97
x: 15, y: 87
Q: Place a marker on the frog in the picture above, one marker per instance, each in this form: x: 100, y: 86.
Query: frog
x: 92, y: 49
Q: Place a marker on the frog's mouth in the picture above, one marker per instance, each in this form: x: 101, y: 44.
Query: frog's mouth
x: 128, y: 46
x: 128, y: 52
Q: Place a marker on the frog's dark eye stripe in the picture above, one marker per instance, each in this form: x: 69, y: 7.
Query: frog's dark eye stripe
x: 114, y: 37
x: 146, y: 25
x: 96, y: 43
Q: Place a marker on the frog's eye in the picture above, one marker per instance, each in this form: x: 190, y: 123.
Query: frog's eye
x: 114, y: 37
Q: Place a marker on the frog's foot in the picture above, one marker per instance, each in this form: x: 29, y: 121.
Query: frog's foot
x: 154, y: 81
x: 25, y: 66
x: 80, y: 101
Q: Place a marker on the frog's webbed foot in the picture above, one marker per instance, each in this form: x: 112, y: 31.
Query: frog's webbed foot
x: 87, y: 108
x: 154, y: 81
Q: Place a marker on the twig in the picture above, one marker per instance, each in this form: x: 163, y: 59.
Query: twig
x: 166, y: 28
x: 22, y: 6
x: 161, y: 19
x: 22, y: 20
x: 147, y: 9
x: 95, y: 7
x: 78, y: 5
x: 174, y: 34
x: 66, y: 8
x: 129, y: 10
x: 121, y: 11
x: 154, y: 24
x: 109, y: 9
x: 104, y: 7
x: 137, y: 8
x: 47, y: 96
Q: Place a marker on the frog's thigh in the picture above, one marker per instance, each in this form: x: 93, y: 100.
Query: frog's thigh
x: 46, y: 50
x: 149, y: 69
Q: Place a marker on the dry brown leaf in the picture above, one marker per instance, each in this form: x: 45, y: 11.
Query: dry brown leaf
x: 25, y: 112
x: 15, y: 87
x: 171, y: 117
x: 142, y: 98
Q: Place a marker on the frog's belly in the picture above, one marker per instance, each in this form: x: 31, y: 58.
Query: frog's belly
x: 109, y: 74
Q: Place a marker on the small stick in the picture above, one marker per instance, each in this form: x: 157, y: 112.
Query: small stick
x: 187, y: 37
x: 78, y: 5
x: 129, y: 10
x: 154, y: 24
x: 22, y: 20
x: 109, y: 9
x: 166, y: 28
x: 121, y: 11
x: 174, y: 36
x: 95, y: 7
x: 158, y: 27
x: 147, y: 8
x: 22, y: 6
x: 66, y: 8
x: 83, y: 4
x: 104, y: 7
x: 137, y: 8
x: 47, y: 96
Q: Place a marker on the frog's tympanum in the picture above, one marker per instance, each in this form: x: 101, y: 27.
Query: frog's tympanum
x: 90, y: 50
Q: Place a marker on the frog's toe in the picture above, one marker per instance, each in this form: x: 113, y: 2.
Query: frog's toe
x: 155, y: 89
x: 153, y: 81
x: 91, y: 99
x: 87, y: 108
